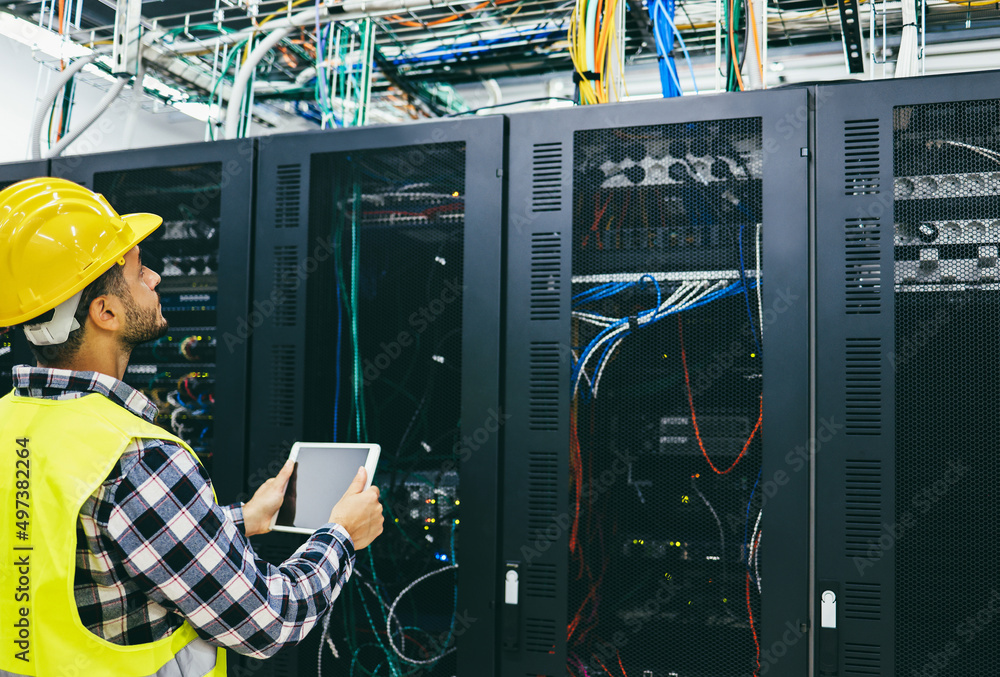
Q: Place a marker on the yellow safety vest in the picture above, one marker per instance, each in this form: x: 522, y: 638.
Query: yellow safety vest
x: 53, y: 455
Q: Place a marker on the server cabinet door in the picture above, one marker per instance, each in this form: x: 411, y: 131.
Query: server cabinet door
x: 377, y: 302
x: 650, y: 424
x: 908, y: 312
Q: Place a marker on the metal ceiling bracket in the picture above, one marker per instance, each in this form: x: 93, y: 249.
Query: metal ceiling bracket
x: 851, y: 28
x: 128, y: 33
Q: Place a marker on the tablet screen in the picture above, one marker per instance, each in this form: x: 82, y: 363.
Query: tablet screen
x: 321, y: 476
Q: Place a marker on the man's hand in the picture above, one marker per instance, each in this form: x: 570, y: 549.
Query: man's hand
x: 259, y: 510
x: 359, y: 512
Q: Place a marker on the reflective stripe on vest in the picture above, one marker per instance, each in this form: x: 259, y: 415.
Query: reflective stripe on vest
x: 197, y: 658
x: 53, y: 455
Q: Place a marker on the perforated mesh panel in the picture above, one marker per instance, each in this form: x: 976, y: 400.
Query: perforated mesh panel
x: 403, y: 282
x: 178, y: 371
x: 946, y: 360
x: 661, y: 577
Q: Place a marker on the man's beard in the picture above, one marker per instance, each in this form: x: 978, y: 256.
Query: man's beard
x: 141, y: 325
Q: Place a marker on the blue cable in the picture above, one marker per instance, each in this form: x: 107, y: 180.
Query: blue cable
x: 746, y: 293
x: 687, y: 56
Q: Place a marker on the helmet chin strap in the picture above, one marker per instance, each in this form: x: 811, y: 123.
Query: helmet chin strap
x: 56, y: 330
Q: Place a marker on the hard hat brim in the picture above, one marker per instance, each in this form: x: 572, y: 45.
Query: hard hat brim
x: 142, y: 226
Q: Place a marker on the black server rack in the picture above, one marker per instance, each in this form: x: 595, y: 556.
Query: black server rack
x: 908, y: 319
x: 648, y: 425
x: 376, y: 317
x: 13, y: 345
x: 197, y: 373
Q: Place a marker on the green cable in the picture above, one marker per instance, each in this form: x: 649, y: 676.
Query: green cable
x: 354, y: 310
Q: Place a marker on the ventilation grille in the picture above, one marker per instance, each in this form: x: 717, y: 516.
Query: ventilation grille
x: 862, y: 660
x: 286, y: 309
x: 543, y: 483
x: 861, y: 151
x: 282, y: 384
x: 546, y: 275
x: 546, y: 177
x: 864, y: 508
x: 540, y: 635
x: 863, y: 601
x: 540, y: 579
x: 543, y: 386
x: 287, y: 191
x: 864, y: 386
x: 863, y: 266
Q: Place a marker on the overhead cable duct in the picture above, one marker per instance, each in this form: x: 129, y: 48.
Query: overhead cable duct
x: 346, y: 11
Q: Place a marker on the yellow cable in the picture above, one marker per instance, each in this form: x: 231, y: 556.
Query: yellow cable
x: 284, y: 10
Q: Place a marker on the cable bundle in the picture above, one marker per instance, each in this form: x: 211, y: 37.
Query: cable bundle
x: 690, y: 294
x: 661, y: 12
x: 596, y: 52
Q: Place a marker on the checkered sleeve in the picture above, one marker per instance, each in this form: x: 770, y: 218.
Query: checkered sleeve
x: 181, y: 547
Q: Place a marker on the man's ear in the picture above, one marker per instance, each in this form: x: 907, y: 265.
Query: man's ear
x: 106, y: 312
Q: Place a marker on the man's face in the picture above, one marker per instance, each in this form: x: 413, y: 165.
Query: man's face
x: 144, y: 319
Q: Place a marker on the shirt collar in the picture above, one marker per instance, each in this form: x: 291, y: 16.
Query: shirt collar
x: 64, y: 383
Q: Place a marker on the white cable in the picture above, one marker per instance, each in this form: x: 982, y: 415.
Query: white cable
x: 722, y: 533
x: 49, y: 99
x: 752, y: 551
x: 607, y: 358
x: 985, y: 152
x: 233, y: 110
x: 576, y: 358
x: 756, y: 561
x: 325, y: 636
x: 599, y: 320
x: 760, y: 304
x: 392, y: 609
x: 99, y: 110
x: 583, y: 365
x: 906, y: 61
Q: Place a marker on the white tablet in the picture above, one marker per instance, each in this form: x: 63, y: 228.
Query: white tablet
x: 323, y: 471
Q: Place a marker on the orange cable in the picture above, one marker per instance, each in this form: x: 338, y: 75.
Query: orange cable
x: 620, y: 663
x: 694, y: 420
x: 756, y: 41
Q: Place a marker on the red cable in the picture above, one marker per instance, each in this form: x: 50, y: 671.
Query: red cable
x: 752, y: 628
x: 575, y: 460
x: 694, y: 420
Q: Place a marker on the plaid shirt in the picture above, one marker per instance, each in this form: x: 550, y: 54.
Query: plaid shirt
x: 154, y: 549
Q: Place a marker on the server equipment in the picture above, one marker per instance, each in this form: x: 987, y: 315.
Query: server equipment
x: 908, y: 319
x: 13, y: 345
x: 376, y: 317
x: 658, y: 529
x: 196, y: 373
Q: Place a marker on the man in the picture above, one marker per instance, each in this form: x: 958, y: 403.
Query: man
x: 119, y: 561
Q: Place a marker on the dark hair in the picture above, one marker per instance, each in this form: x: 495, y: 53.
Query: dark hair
x: 111, y: 282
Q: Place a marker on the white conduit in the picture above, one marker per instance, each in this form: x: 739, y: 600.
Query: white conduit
x: 49, y: 99
x: 99, y: 110
x: 239, y: 89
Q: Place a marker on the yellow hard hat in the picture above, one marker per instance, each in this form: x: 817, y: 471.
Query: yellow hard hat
x: 56, y: 237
